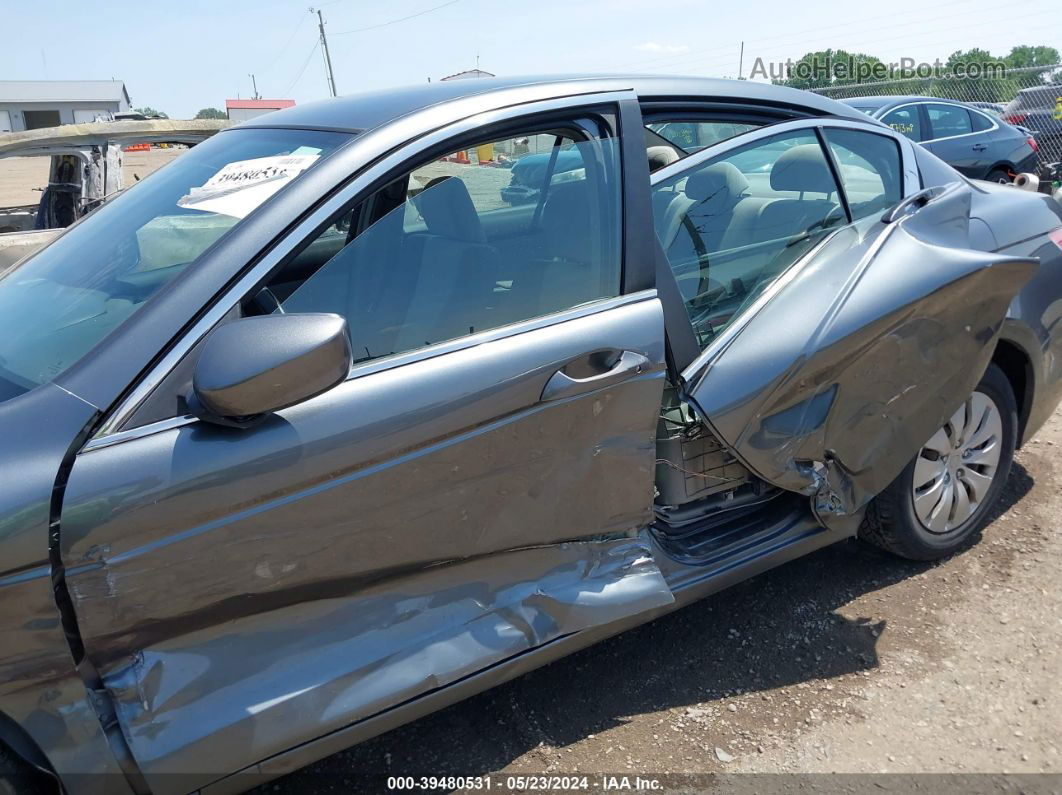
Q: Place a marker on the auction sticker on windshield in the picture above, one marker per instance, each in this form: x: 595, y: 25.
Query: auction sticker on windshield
x: 241, y: 186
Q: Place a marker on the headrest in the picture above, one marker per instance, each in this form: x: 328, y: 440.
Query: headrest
x: 660, y: 156
x: 803, y: 168
x: 720, y: 184
x: 566, y: 218
x: 448, y: 211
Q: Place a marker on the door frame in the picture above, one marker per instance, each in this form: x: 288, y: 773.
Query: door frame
x: 637, y: 272
x: 911, y: 184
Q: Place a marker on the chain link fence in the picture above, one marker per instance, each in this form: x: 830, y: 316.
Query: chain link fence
x: 1029, y: 97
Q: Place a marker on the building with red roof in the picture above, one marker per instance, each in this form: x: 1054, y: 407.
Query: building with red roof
x: 244, y: 109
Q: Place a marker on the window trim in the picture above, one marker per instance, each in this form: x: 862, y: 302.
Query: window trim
x: 836, y: 168
x: 924, y: 114
x: 908, y: 165
x: 912, y: 183
x: 374, y: 176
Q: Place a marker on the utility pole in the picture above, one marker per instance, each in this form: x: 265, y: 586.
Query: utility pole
x: 741, y: 62
x: 324, y: 48
x: 254, y: 85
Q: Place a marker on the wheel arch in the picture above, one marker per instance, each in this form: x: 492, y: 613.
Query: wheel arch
x: 1005, y: 165
x: 1016, y: 365
x: 19, y: 742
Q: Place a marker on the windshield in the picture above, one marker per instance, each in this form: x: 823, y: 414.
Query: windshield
x: 57, y: 305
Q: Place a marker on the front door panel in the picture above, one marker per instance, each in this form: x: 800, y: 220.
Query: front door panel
x: 838, y: 379
x: 245, y: 590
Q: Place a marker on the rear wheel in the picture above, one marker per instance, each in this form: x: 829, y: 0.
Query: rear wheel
x: 944, y: 496
x: 1000, y: 175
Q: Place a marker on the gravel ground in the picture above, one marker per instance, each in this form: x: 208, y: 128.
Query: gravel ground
x: 22, y: 178
x: 847, y: 661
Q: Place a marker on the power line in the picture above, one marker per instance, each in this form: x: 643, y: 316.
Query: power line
x: 306, y: 63
x: 680, y: 58
x: 716, y: 58
x: 396, y: 21
x: 284, y: 49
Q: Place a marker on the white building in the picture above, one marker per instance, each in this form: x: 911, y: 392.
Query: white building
x: 32, y: 104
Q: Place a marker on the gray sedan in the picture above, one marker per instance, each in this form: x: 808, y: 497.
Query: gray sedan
x: 311, y: 433
x: 975, y: 141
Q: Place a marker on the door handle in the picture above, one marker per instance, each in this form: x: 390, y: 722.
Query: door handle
x: 914, y: 202
x: 979, y: 147
x: 562, y: 385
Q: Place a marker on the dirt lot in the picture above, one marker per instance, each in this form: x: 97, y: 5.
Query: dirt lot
x: 845, y: 661
x: 22, y: 177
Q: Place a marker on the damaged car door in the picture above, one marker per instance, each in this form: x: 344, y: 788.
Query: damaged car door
x: 843, y: 314
x: 471, y: 491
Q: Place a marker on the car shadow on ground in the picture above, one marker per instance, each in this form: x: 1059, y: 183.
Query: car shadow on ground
x: 776, y: 630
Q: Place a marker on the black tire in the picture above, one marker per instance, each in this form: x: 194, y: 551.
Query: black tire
x: 19, y: 778
x: 1001, y: 175
x: 891, y: 522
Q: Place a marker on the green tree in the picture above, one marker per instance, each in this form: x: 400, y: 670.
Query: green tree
x: 151, y: 113
x: 827, y: 67
x: 962, y: 83
x: 1023, y: 55
x: 211, y: 113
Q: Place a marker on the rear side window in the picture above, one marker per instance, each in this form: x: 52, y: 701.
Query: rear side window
x: 947, y: 121
x: 870, y: 169
x: 496, y: 233
x: 731, y: 225
x: 905, y: 121
x: 692, y: 136
x: 980, y: 122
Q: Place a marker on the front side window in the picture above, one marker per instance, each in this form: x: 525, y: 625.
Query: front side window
x: 905, y: 121
x: 870, y: 169
x: 734, y: 223
x: 492, y: 234
x: 947, y: 121
x: 57, y: 305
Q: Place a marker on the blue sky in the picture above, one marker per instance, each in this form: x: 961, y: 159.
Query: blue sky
x: 183, y: 56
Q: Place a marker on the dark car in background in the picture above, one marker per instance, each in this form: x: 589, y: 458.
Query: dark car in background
x: 1040, y: 110
x: 529, y: 171
x: 969, y: 140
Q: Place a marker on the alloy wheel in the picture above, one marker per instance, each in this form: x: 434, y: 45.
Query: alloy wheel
x: 956, y: 467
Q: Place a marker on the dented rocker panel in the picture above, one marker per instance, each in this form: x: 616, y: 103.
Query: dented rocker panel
x: 441, y: 496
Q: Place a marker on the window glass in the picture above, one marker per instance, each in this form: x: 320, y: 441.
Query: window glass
x: 734, y: 223
x: 905, y: 121
x: 948, y: 120
x: 57, y: 305
x: 691, y: 136
x: 497, y: 233
x: 980, y: 121
x: 870, y: 169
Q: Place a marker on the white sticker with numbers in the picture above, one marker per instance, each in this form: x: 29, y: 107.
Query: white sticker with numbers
x: 240, y: 187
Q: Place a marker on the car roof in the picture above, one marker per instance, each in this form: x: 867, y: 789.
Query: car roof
x: 1049, y: 87
x: 878, y: 102
x: 365, y: 111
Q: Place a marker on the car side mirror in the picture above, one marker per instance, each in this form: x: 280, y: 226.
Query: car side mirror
x: 257, y: 365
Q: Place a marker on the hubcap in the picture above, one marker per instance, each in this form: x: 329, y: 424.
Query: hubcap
x: 956, y: 467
